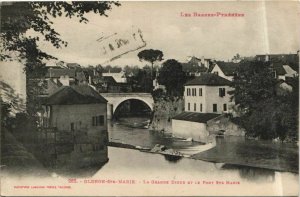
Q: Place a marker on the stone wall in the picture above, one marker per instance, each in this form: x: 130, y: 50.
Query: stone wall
x: 187, y: 129
x: 223, y: 123
x: 164, y: 110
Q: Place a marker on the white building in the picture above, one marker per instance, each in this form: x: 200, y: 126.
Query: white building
x: 207, y: 94
x: 65, y: 77
x: 206, y: 98
x: 118, y: 77
x: 225, y: 69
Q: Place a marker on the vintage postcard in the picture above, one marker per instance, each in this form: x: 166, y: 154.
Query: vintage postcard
x: 149, y: 98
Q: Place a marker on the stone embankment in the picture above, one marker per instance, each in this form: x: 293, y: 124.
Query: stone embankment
x: 164, y: 110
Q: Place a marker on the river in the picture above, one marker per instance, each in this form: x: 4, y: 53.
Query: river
x: 150, y: 166
x: 131, y: 172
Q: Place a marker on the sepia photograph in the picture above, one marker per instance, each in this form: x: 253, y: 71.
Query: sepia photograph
x: 149, y: 98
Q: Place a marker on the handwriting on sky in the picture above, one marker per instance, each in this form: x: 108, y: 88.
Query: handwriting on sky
x: 115, y: 45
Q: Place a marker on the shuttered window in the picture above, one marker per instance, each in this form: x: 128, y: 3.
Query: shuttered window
x: 98, y: 120
x: 221, y: 92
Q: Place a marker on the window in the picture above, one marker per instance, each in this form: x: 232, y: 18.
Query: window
x: 193, y: 91
x: 200, y: 107
x: 200, y: 91
x: 221, y: 92
x: 72, y: 126
x: 225, y: 107
x: 215, y: 108
x: 195, y: 106
x: 189, y: 106
x: 98, y: 120
x: 188, y: 92
x: 216, y: 73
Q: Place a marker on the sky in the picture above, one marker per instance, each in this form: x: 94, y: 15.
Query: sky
x: 270, y: 27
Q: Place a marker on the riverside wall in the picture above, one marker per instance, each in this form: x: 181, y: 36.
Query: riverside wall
x: 163, y: 111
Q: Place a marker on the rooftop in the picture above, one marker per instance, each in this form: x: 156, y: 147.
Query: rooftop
x: 196, y: 117
x: 109, y: 79
x: 70, y: 95
x: 57, y: 72
x: 209, y: 79
x: 278, y: 67
x: 228, y: 68
x: 118, y: 77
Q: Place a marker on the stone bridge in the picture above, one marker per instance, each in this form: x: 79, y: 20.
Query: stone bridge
x: 115, y: 99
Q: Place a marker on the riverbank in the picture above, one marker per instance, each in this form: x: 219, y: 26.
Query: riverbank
x: 254, y: 153
x: 17, y: 160
x: 235, y: 151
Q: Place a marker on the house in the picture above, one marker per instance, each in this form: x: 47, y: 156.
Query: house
x: 73, y: 107
x: 291, y: 59
x: 61, y: 75
x: 283, y: 88
x: 109, y: 84
x: 192, y: 125
x: 226, y: 70
x: 206, y: 98
x: 115, y: 82
x: 207, y: 94
x: 80, y: 113
x: 282, y: 71
x: 195, y: 66
x: 118, y: 77
x: 73, y: 66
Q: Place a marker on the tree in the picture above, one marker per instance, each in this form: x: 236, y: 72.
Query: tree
x: 172, y: 76
x: 236, y: 58
x: 18, y: 17
x: 11, y: 103
x: 254, y: 82
x: 151, y: 56
x: 265, y: 114
x: 142, y: 80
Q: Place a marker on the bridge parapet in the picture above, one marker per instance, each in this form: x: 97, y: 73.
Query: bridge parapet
x: 115, y: 99
x: 131, y: 94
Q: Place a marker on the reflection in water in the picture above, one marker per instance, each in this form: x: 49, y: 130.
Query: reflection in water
x: 173, y: 158
x: 252, y: 173
x: 143, y: 137
x: 87, y: 171
x: 145, y: 166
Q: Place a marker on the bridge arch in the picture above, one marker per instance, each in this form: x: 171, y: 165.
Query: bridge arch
x: 115, y: 99
x: 116, y: 105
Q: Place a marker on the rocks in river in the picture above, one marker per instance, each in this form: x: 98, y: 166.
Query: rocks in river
x: 164, y: 150
x: 158, y: 148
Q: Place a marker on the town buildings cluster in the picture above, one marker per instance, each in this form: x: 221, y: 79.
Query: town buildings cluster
x: 206, y: 98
